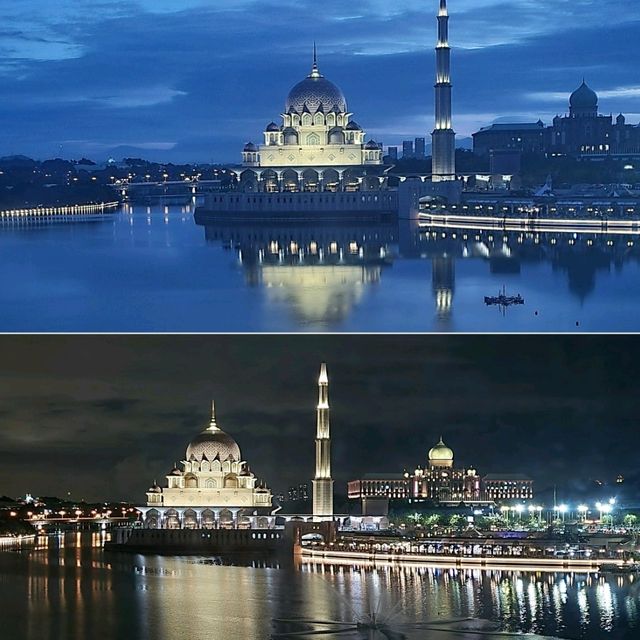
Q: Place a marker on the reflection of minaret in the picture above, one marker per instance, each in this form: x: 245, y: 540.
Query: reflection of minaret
x: 444, y: 283
x: 322, y: 483
x: 443, y: 163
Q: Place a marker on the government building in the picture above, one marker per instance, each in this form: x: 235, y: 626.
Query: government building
x: 439, y: 483
x: 582, y: 133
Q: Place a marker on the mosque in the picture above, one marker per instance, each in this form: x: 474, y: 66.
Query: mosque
x: 318, y: 146
x: 319, y: 160
x: 214, y: 488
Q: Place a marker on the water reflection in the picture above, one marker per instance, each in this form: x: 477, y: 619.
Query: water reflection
x: 153, y: 269
x: 68, y: 588
x: 318, y: 272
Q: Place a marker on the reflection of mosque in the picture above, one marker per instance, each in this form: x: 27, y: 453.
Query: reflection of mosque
x: 319, y: 271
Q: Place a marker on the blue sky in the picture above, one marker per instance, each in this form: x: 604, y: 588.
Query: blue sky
x: 193, y: 80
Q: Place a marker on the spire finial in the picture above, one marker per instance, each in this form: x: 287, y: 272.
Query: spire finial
x: 315, y: 73
x: 212, y: 425
x: 324, y: 378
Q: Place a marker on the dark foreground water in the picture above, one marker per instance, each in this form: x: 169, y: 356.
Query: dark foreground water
x: 154, y: 269
x: 71, y: 589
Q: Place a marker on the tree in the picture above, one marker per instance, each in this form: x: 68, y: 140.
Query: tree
x: 630, y: 520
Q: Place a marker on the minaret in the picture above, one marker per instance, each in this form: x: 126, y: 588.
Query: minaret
x: 443, y: 151
x: 322, y: 483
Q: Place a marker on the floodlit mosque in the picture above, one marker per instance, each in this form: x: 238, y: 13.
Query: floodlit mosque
x: 319, y: 160
x: 318, y: 146
x: 215, y: 488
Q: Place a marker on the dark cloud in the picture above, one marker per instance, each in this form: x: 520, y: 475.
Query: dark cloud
x: 103, y: 416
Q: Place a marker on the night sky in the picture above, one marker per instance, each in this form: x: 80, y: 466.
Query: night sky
x: 193, y: 80
x: 102, y: 416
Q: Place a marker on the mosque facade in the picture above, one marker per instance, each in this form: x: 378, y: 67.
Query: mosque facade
x: 583, y: 133
x: 317, y: 147
x: 213, y: 487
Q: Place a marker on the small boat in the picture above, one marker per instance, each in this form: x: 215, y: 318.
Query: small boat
x: 503, y: 300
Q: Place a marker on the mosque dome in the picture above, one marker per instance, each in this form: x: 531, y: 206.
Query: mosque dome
x: 371, y: 145
x: 250, y: 147
x: 272, y: 126
x: 315, y: 93
x: 213, y: 443
x: 584, y: 97
x: 440, y: 453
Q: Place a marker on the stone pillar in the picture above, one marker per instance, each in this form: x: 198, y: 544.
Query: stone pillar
x: 320, y: 180
x: 280, y: 175
x: 216, y: 518
x: 340, y: 179
x: 300, y: 180
x: 234, y: 513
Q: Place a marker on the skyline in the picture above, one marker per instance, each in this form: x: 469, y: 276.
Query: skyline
x: 180, y: 77
x: 102, y: 416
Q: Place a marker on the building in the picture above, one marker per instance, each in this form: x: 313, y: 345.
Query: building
x: 214, y: 488
x: 503, y: 487
x: 299, y: 493
x: 582, y: 133
x: 407, y: 149
x: 322, y: 482
x: 439, y: 483
x: 318, y: 146
x: 443, y: 138
x: 392, y: 154
x: 420, y: 148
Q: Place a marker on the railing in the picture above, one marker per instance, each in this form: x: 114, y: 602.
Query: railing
x: 67, y: 210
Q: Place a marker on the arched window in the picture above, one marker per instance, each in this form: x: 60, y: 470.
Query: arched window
x: 306, y: 119
x: 331, y: 119
x: 210, y: 483
x: 318, y: 119
x: 231, y: 482
x: 313, y: 139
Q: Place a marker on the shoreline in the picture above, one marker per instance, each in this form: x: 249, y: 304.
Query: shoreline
x: 448, y: 562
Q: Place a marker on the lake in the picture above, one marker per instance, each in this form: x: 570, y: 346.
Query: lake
x: 153, y: 269
x: 69, y: 588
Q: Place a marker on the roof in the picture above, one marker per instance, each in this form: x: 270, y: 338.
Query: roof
x: 508, y: 476
x: 515, y: 126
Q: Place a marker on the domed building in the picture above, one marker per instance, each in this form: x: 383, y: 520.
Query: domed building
x: 441, y: 483
x: 214, y: 488
x: 583, y: 133
x: 318, y: 147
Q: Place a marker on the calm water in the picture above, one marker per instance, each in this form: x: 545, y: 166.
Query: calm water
x: 155, y: 269
x: 76, y: 591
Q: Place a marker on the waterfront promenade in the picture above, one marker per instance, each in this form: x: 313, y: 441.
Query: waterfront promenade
x: 66, y: 211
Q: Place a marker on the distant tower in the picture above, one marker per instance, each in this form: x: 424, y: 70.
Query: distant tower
x: 322, y: 483
x: 443, y: 163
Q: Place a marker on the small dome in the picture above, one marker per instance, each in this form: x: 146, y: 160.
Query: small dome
x: 353, y: 126
x: 272, y: 126
x: 440, y: 453
x: 213, y: 443
x: 371, y: 145
x: 155, y: 488
x: 175, y: 472
x: 584, y: 98
x: 250, y: 147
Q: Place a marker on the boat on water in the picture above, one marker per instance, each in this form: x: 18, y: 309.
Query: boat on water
x: 503, y: 300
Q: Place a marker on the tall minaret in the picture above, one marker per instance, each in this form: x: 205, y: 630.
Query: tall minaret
x: 443, y: 151
x: 322, y: 483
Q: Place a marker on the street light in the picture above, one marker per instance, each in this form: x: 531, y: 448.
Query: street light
x: 582, y: 510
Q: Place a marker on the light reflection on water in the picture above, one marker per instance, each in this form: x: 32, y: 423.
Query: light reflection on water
x: 154, y: 269
x: 70, y: 589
